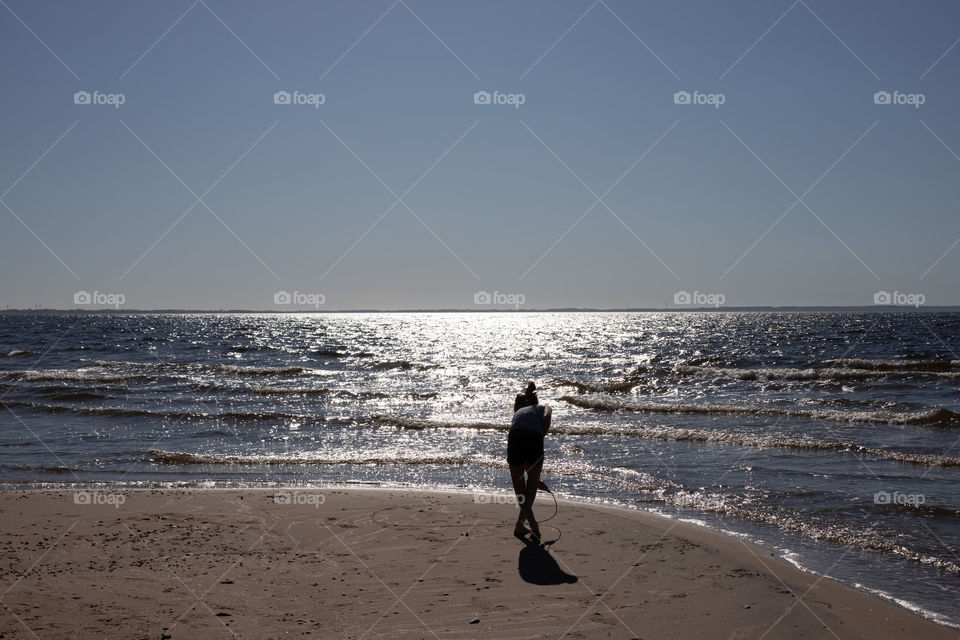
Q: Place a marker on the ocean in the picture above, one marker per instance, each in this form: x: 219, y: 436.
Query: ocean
x: 831, y: 438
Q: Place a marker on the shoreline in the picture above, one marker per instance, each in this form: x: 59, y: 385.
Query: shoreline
x: 135, y: 557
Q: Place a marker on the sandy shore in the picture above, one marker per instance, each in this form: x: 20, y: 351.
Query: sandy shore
x: 397, y: 564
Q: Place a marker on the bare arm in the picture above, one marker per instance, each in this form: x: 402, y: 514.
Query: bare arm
x: 545, y: 421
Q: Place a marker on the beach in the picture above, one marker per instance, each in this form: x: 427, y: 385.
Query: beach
x: 392, y: 563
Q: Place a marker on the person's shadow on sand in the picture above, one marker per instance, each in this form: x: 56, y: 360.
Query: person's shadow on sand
x: 537, y: 566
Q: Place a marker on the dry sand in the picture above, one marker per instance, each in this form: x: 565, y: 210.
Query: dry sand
x: 398, y: 564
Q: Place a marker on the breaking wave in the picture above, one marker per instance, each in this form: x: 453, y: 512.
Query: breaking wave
x: 931, y: 417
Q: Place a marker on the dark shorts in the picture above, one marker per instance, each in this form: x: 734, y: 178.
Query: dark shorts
x: 524, y: 446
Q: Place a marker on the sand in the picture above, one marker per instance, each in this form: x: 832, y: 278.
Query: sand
x: 353, y: 563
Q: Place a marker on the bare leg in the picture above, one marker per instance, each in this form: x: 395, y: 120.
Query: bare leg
x: 520, y: 489
x: 533, y: 479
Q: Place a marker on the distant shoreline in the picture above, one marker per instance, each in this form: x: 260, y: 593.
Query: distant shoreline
x: 723, y: 309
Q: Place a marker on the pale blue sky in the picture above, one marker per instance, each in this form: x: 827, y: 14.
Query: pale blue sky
x: 502, y: 185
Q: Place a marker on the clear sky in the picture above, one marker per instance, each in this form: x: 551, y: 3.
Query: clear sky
x: 593, y: 183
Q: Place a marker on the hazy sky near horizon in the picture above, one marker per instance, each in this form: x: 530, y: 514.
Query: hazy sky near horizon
x: 739, y: 150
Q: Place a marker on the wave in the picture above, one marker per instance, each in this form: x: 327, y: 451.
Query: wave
x: 837, y: 373
x: 27, y: 467
x: 265, y: 371
x: 699, y: 436
x: 624, y: 386
x: 777, y: 442
x: 20, y: 353
x: 910, y: 365
x: 413, y: 423
x: 323, y: 391
x: 177, y: 457
x: 124, y: 412
x: 404, y: 365
x: 932, y: 417
x: 328, y: 353
x: 238, y: 370
x: 77, y: 396
x: 841, y: 370
x: 861, y: 539
x: 72, y: 375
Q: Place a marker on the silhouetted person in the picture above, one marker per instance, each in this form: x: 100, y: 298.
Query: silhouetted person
x: 530, y: 424
x: 527, y: 398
